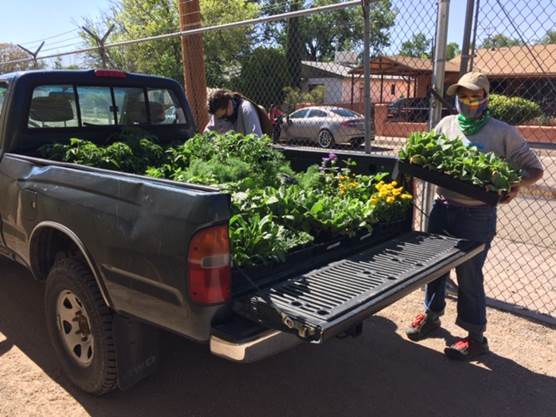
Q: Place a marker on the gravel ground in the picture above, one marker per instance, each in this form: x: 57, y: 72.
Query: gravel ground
x: 377, y: 374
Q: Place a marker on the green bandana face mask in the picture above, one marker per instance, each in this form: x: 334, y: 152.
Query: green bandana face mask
x: 472, y: 126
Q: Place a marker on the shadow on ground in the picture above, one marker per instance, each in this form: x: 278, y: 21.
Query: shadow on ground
x: 377, y: 374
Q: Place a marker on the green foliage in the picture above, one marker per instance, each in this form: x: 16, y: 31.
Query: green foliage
x: 499, y: 41
x: 318, y: 36
x: 274, y: 210
x: 224, y: 49
x: 294, y: 96
x: 418, y: 46
x: 513, y: 110
x: 452, y: 50
x: 264, y: 74
x: 135, y: 19
x: 134, y: 156
x: 549, y: 38
x: 452, y: 157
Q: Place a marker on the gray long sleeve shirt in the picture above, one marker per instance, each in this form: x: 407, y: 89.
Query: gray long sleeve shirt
x: 247, y: 121
x: 496, y: 136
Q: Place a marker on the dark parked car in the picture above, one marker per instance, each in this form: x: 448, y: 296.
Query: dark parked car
x: 411, y: 109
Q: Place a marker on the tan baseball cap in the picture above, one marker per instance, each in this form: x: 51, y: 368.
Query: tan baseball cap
x: 472, y: 81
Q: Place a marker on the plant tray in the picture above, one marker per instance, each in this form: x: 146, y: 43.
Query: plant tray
x: 315, y: 254
x: 446, y: 181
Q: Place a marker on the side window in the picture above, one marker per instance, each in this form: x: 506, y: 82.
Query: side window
x: 300, y: 114
x: 131, y: 107
x: 96, y: 106
x: 3, y: 92
x: 53, y: 106
x: 165, y: 108
x: 317, y: 113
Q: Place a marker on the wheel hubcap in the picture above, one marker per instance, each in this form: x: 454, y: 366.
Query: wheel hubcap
x: 325, y: 139
x: 74, y: 328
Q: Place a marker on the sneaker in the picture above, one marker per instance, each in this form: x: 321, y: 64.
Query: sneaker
x: 467, y: 349
x: 421, y: 326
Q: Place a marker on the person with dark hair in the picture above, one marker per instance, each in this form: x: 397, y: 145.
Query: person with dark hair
x: 276, y: 116
x: 463, y: 217
x: 232, y: 112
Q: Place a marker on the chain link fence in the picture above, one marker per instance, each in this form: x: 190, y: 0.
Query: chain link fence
x: 307, y: 72
x: 515, y: 44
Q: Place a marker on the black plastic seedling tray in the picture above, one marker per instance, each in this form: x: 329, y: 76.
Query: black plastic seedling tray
x: 446, y: 181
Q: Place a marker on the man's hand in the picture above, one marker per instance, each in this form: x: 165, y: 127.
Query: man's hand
x: 514, y: 190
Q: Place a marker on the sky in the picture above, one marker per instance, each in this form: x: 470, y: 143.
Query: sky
x: 28, y: 21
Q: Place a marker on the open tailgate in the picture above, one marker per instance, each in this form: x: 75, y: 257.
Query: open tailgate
x: 321, y: 303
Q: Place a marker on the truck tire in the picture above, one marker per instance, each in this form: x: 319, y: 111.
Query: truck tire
x: 80, y: 327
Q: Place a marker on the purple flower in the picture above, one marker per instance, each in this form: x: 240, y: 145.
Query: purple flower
x: 332, y: 156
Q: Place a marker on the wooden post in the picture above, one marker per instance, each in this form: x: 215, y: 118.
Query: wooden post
x: 193, y: 56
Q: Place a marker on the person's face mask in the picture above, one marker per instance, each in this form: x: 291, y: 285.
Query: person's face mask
x: 471, y: 107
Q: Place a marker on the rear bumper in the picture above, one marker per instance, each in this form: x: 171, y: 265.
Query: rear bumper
x: 267, y: 344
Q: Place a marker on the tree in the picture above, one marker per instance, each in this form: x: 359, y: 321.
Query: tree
x: 225, y: 48
x: 59, y: 65
x: 10, y: 52
x: 418, y: 46
x: 499, y: 41
x: 135, y: 19
x: 550, y: 37
x: 452, y: 50
x: 264, y: 74
x: 294, y: 96
x: 321, y: 34
x: 293, y: 47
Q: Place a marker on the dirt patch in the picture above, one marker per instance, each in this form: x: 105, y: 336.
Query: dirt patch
x: 379, y: 373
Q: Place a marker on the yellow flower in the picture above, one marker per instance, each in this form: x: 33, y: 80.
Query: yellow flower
x: 390, y: 200
x: 383, y: 193
x: 374, y: 200
x: 394, y: 183
x: 396, y: 191
x: 406, y: 196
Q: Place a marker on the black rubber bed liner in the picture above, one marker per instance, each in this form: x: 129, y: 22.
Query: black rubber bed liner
x: 326, y: 301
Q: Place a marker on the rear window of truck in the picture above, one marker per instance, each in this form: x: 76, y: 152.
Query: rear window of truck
x: 59, y: 106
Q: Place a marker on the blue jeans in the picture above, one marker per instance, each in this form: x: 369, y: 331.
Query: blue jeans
x: 473, y: 223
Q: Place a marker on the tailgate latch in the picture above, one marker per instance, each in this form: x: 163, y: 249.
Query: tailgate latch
x: 268, y: 315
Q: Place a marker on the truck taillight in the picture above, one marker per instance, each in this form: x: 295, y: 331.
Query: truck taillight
x: 209, y: 266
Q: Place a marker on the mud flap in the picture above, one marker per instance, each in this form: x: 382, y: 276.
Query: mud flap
x: 136, y: 350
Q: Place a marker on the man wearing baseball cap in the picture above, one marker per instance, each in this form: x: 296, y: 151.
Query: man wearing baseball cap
x: 460, y: 216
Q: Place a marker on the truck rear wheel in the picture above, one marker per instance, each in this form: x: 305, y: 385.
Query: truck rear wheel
x: 80, y: 327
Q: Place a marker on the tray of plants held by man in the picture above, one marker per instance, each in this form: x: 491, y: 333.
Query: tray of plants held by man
x: 449, y: 163
x: 276, y: 213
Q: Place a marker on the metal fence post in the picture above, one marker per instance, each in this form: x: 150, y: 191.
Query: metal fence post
x: 367, y: 73
x: 466, y: 37
x: 438, y: 86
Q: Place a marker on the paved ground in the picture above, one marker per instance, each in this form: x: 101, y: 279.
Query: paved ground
x: 377, y: 374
